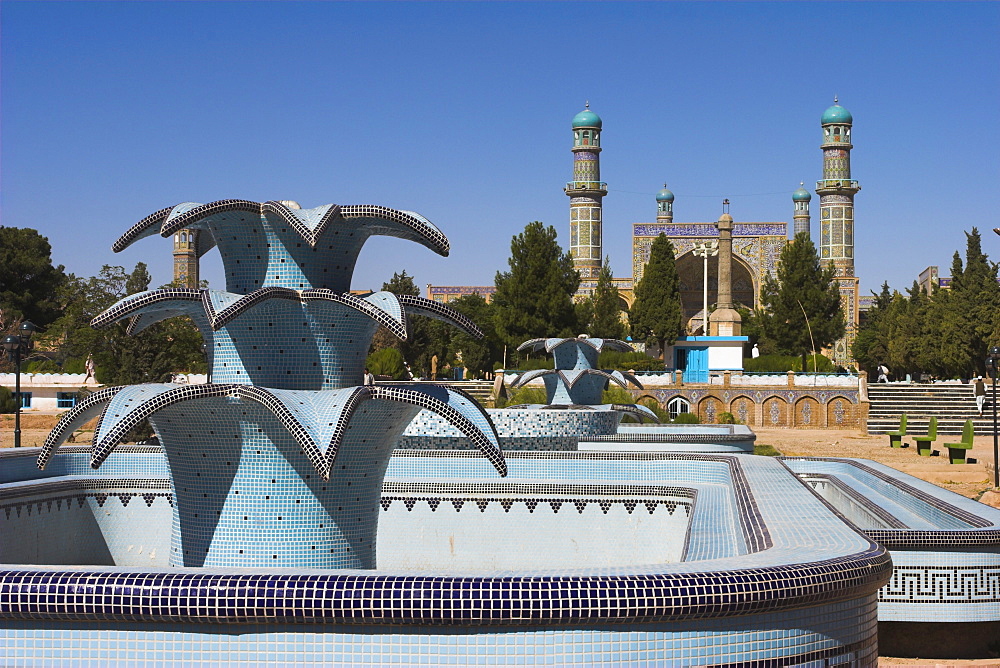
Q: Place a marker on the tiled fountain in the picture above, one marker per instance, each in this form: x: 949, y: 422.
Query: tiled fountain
x: 573, y: 416
x: 249, y: 538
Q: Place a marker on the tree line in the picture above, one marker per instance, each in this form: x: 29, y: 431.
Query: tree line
x: 945, y: 333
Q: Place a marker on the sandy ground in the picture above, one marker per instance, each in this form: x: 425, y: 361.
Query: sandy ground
x: 969, y: 480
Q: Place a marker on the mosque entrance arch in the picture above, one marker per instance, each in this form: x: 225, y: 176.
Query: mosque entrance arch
x: 690, y: 271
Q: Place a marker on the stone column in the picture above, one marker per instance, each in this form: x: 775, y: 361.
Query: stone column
x: 725, y: 321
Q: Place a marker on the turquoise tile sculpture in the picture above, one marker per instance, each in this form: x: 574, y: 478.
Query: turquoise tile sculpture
x: 278, y: 461
x: 575, y: 381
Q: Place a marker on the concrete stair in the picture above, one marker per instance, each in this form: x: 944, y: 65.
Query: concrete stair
x: 951, y: 404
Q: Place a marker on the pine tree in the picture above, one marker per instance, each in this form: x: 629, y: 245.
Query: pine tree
x: 871, y: 346
x: 534, y: 298
x: 29, y: 284
x: 426, y: 337
x: 656, y: 312
x: 478, y: 355
x: 802, y: 306
x: 605, y: 309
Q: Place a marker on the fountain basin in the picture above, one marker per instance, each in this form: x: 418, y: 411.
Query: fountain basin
x: 945, y: 547
x: 748, y: 582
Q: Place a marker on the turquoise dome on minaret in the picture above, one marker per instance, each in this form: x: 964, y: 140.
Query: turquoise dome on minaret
x: 587, y: 119
x: 664, y: 195
x: 801, y: 195
x: 837, y: 114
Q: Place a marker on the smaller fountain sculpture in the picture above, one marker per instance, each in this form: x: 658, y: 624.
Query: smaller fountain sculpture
x: 575, y: 383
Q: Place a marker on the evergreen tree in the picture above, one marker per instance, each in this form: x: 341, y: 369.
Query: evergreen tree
x: 976, y: 302
x: 478, y: 355
x: 605, y: 320
x: 871, y: 344
x: 426, y: 337
x: 803, y: 299
x: 29, y: 284
x: 534, y: 298
x: 656, y: 313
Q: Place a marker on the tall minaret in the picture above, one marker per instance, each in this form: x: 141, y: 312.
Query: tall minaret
x: 665, y: 206
x: 801, y: 199
x: 586, y: 192
x: 836, y: 200
x: 186, y: 259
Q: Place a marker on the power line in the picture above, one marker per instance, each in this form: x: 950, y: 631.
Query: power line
x: 649, y: 194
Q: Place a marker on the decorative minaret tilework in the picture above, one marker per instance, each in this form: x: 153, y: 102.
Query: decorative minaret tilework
x: 586, y: 192
x: 836, y: 192
x: 801, y: 220
x: 186, y: 259
x: 664, y: 206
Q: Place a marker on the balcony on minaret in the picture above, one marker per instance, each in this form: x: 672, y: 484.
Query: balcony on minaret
x: 837, y: 184
x: 587, y: 186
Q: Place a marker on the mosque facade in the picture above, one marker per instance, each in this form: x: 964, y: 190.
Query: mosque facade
x: 756, y: 246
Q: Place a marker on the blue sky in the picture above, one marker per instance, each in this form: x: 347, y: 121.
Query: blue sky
x: 462, y: 111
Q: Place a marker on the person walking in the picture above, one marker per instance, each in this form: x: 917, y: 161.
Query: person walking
x: 883, y: 373
x: 979, y: 391
x: 369, y: 378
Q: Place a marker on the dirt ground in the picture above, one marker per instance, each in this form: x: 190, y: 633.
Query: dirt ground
x: 969, y: 480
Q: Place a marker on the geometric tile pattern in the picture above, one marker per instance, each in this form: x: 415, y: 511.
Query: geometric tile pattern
x: 285, y: 412
x: 803, y: 587
x: 945, y: 548
x: 270, y: 244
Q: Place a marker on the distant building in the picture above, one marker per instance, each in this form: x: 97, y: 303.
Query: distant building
x: 446, y: 293
x: 929, y: 279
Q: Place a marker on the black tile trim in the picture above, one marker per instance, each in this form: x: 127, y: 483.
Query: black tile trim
x: 431, y: 309
x: 203, y: 211
x: 413, y: 395
x: 288, y: 216
x: 130, y: 305
x: 137, y: 231
x: 864, y: 502
x: 755, y: 531
x: 984, y: 533
x: 80, y: 414
x: 180, y: 596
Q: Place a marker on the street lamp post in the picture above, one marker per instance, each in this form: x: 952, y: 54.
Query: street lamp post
x: 993, y: 364
x: 705, y: 249
x: 17, y: 347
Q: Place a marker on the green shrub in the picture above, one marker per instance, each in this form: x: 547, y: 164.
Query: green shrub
x: 781, y: 363
x: 532, y: 363
x: 765, y: 451
x: 525, y: 395
x: 387, y: 362
x: 619, y: 361
x: 654, y: 406
x: 42, y: 366
x: 7, y: 403
x: 616, y: 394
x: 74, y: 365
x: 686, y: 418
x: 727, y: 418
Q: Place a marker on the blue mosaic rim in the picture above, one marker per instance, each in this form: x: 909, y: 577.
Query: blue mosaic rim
x: 985, y: 533
x: 182, y: 595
